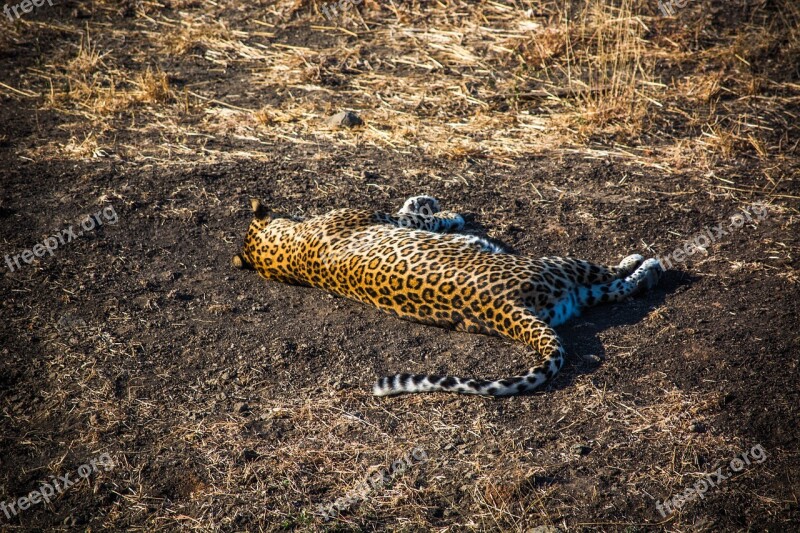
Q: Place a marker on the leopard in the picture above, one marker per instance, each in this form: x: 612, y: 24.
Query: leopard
x: 420, y: 264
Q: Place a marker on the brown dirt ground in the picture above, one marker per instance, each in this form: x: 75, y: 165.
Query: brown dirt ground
x: 235, y: 404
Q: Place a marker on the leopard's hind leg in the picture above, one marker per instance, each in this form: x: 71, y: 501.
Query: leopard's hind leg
x: 566, y: 286
x: 645, y: 277
x: 580, y: 272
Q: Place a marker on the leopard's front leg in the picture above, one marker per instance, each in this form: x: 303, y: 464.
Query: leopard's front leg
x: 423, y: 212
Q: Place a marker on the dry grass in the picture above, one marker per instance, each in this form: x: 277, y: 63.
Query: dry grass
x: 607, y: 72
x: 462, y: 80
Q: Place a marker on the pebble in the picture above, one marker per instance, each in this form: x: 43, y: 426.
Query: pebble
x: 581, y: 449
x: 344, y: 119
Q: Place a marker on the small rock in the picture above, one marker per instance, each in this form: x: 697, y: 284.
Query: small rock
x: 344, y: 119
x: 697, y: 427
x: 581, y: 449
x: 241, y: 407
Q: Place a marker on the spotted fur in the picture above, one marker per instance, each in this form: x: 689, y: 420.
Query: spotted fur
x: 414, y: 266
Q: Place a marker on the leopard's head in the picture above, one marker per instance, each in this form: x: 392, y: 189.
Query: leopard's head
x: 266, y: 233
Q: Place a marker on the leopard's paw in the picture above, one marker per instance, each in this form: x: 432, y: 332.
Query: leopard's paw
x: 629, y: 264
x: 647, y: 275
x: 420, y: 205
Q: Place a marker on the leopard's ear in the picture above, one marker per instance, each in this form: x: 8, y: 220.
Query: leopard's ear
x: 258, y: 208
x: 238, y: 261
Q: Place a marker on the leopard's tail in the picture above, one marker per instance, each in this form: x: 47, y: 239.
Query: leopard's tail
x: 528, y: 328
x: 411, y: 383
x: 535, y: 333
